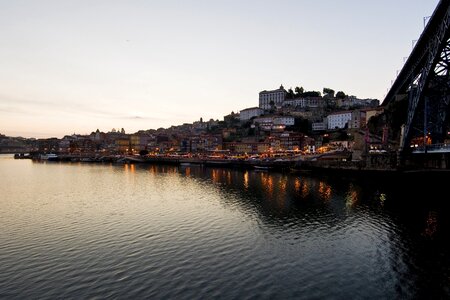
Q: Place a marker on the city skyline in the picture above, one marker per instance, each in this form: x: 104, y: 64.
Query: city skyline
x: 75, y: 67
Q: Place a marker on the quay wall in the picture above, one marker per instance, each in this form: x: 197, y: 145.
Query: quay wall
x: 376, y: 163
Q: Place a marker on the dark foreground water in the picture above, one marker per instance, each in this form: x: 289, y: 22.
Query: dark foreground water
x: 124, y: 231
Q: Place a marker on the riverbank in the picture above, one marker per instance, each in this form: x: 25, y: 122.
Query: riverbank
x: 300, y: 164
x: 249, y: 163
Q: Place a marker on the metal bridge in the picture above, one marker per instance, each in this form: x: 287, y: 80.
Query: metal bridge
x: 425, y: 81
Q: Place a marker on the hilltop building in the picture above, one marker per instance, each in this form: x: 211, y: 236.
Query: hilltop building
x: 275, y: 97
x: 248, y: 113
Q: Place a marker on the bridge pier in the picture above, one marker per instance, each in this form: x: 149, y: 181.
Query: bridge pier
x: 430, y: 161
x: 444, y: 161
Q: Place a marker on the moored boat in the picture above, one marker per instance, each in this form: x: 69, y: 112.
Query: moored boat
x: 49, y: 157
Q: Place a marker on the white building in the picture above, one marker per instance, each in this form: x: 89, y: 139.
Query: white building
x: 284, y: 120
x: 274, y: 122
x: 314, y: 102
x: 295, y: 103
x: 309, y: 102
x: 339, y: 119
x: 275, y: 96
x: 352, y: 101
x: 264, y: 123
x: 248, y: 113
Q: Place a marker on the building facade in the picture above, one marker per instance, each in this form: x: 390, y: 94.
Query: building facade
x: 319, y: 126
x: 248, y: 113
x: 275, y: 97
x: 358, y: 119
x: 339, y: 119
x: 284, y: 120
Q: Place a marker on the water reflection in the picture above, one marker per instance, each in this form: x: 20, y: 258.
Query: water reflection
x: 246, y: 182
x: 352, y: 196
x: 149, y: 231
x: 324, y: 190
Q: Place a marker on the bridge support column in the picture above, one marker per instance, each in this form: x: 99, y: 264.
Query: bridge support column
x: 400, y: 160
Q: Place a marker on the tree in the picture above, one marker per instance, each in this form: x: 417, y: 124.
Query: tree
x: 272, y: 106
x: 327, y: 92
x: 311, y: 94
x: 299, y: 90
x: 290, y: 94
x: 300, y: 125
x: 340, y: 95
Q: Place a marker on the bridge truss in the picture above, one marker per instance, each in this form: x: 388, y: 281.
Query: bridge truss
x: 425, y: 78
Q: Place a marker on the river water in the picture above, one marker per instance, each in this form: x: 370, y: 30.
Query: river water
x: 74, y: 230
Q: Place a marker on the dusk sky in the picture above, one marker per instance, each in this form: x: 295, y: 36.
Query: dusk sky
x: 75, y: 66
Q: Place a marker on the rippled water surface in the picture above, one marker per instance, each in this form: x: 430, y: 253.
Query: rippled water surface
x: 71, y: 230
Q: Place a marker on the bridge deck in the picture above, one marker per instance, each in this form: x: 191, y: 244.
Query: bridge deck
x: 416, y: 59
x: 436, y: 148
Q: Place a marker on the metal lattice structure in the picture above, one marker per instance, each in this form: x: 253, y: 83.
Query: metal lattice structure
x: 425, y: 77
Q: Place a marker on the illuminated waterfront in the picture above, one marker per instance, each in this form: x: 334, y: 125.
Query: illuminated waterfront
x: 74, y: 230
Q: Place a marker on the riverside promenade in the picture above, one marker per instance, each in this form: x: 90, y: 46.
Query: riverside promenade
x: 379, y: 164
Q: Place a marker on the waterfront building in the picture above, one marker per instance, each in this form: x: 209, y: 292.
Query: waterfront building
x: 243, y: 148
x: 135, y: 143
x: 290, y: 140
x: 275, y: 143
x: 251, y: 147
x: 201, y: 143
x: 212, y: 142
x: 140, y: 142
x: 338, y: 119
x: 123, y: 145
x: 275, y: 97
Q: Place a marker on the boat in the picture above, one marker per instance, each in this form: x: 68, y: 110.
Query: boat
x: 21, y: 156
x: 49, y: 157
x: 190, y: 161
x: 130, y: 159
x: 87, y: 159
x: 217, y: 162
x: 262, y: 168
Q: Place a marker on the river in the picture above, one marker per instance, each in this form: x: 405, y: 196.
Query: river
x: 79, y: 230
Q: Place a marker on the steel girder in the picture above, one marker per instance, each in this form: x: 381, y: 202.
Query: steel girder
x: 435, y: 67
